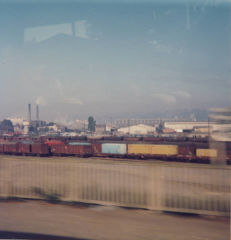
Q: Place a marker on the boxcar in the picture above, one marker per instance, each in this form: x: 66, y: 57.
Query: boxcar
x: 80, y: 149
x: 24, y: 148
x: 207, y: 153
x: 53, y: 142
x: 140, y: 149
x: 186, y: 152
x: 114, y: 149
x: 170, y: 150
x: 40, y: 149
x: 58, y: 149
x: 96, y: 149
x: 11, y: 148
x: 1, y: 148
x: 152, y: 150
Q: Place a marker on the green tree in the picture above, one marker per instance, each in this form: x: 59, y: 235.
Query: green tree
x: 6, y: 125
x: 33, y: 129
x: 91, y: 124
x: 51, y: 124
x: 160, y: 127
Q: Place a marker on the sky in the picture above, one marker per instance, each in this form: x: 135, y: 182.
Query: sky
x: 113, y: 59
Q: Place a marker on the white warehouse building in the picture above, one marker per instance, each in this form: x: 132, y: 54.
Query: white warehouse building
x: 139, y: 129
x: 181, y: 126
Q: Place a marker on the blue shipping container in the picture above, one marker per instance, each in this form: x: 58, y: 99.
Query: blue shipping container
x: 114, y: 148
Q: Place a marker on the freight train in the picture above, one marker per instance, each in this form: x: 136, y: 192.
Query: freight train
x: 132, y: 148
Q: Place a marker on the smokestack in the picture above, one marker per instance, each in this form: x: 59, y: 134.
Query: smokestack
x: 37, y: 112
x: 29, y: 113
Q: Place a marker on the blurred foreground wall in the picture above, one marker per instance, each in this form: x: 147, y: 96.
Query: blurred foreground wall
x: 181, y: 187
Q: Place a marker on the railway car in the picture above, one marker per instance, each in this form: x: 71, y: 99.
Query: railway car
x: 110, y: 149
x: 1, y: 148
x: 11, y: 148
x: 40, y: 149
x: 96, y: 149
x: 72, y: 149
x: 186, y: 152
x: 145, y: 148
x: 161, y: 151
x: 24, y: 148
x: 53, y: 142
x: 57, y: 149
x: 206, y: 154
x: 177, y: 151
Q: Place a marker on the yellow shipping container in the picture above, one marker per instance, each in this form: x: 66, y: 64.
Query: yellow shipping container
x: 165, y: 150
x: 206, y: 152
x: 152, y: 149
x: 140, y: 148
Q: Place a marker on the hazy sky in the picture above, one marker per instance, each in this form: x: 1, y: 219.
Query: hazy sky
x: 113, y: 59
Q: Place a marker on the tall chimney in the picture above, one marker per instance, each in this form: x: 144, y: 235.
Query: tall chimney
x: 37, y: 112
x: 29, y: 113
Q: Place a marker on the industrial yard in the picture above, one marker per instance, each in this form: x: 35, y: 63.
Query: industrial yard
x: 115, y: 119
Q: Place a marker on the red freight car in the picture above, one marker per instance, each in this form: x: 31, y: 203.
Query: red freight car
x: 1, y: 148
x: 186, y: 152
x: 11, y: 148
x: 58, y: 149
x: 84, y: 150
x: 71, y: 150
x: 97, y: 149
x: 40, y: 149
x: 24, y: 148
x: 53, y: 142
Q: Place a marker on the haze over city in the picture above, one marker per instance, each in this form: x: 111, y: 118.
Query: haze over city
x: 112, y: 59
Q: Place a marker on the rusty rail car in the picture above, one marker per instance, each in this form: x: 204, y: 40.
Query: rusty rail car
x: 185, y: 151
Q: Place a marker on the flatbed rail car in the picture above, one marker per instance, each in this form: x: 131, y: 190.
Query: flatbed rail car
x: 180, y: 151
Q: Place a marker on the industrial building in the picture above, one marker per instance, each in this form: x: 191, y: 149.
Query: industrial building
x: 130, y: 122
x: 139, y: 129
x: 180, y: 127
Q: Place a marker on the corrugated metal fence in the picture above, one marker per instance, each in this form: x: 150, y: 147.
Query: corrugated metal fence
x: 158, y: 186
